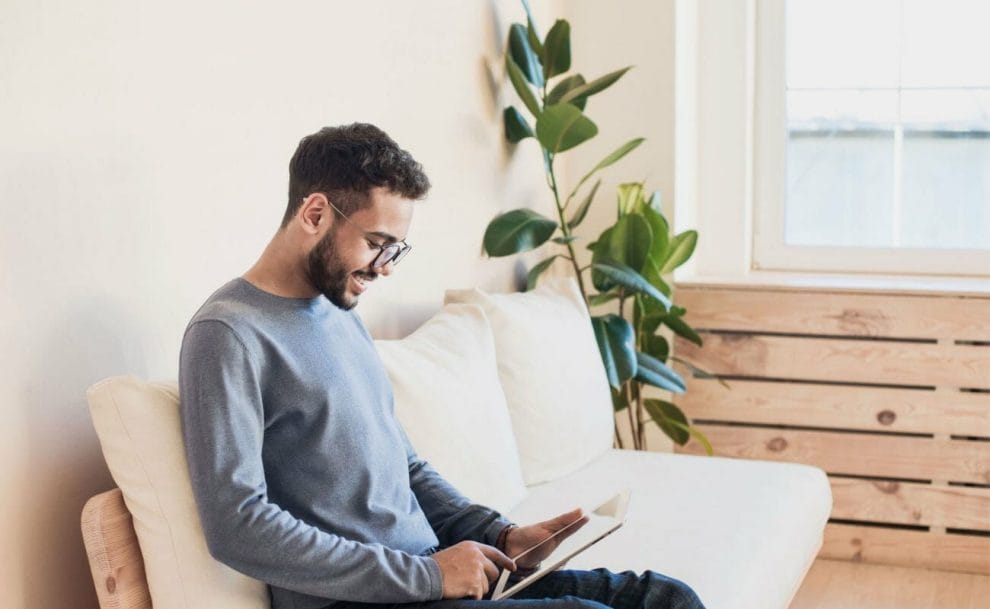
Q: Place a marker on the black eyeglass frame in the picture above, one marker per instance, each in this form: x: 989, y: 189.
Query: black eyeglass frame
x: 399, y: 249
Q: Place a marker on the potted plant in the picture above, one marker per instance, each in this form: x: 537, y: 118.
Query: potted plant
x: 629, y: 259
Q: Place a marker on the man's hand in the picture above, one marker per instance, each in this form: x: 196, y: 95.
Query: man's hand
x: 470, y: 568
x: 521, y: 539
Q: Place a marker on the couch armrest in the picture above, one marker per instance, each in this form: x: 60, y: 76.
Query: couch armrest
x: 114, y: 554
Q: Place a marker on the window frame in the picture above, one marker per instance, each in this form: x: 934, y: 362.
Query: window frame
x: 770, y: 252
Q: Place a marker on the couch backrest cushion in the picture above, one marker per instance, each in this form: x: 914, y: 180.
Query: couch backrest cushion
x: 552, y: 374
x: 451, y: 404
x: 139, y: 430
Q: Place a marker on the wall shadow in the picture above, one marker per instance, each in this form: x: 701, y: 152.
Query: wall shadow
x: 98, y: 339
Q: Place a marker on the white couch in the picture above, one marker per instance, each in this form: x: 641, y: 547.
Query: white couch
x: 505, y: 396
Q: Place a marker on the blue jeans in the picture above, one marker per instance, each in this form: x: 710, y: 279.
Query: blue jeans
x: 597, y: 589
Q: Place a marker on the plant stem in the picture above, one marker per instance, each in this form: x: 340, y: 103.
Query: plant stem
x: 618, y: 438
x: 567, y: 232
x: 639, y: 415
x: 633, y: 428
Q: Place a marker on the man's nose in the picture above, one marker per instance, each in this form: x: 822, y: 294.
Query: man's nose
x: 386, y: 270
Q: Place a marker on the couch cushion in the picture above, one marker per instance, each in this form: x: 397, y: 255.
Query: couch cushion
x: 449, y: 400
x: 742, y: 533
x: 550, y: 368
x: 139, y: 430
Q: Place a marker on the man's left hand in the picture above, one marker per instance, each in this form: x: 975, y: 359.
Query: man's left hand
x: 520, y: 539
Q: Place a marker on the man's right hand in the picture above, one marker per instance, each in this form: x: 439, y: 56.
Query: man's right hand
x: 470, y: 568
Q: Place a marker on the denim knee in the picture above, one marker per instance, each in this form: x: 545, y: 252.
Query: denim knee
x: 676, y: 594
x: 573, y: 602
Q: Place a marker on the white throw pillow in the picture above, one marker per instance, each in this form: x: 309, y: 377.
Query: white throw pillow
x: 452, y: 407
x: 552, y: 374
x: 140, y: 433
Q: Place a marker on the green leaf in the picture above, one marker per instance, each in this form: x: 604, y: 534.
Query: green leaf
x: 519, y: 84
x: 681, y: 248
x: 564, y: 240
x: 536, y: 271
x: 652, y: 371
x: 596, y: 86
x: 619, y: 401
x: 700, y: 437
x: 517, y: 231
x: 661, y: 237
x: 516, y: 127
x: 667, y: 416
x: 565, y: 85
x: 631, y: 280
x: 600, y: 299
x: 652, y: 274
x: 562, y: 127
x: 600, y: 253
x: 630, y: 195
x: 533, y: 35
x: 700, y: 373
x: 582, y: 209
x: 557, y: 49
x: 611, y: 159
x: 676, y: 323
x: 656, y: 346
x: 654, y: 203
x: 630, y: 242
x: 616, y: 344
x: 524, y: 56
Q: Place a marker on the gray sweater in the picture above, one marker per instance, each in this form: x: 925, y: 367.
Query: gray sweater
x: 303, y: 476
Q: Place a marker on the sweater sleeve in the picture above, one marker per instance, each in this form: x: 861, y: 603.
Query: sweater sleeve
x: 223, y: 428
x: 454, y: 518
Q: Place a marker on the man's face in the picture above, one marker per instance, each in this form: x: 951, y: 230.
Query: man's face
x: 339, y: 265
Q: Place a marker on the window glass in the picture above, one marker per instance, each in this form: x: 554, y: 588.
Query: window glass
x: 888, y: 120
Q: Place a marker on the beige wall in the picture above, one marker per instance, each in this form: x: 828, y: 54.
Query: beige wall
x: 143, y: 157
x: 607, y: 36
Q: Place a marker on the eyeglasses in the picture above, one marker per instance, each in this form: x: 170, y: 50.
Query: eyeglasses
x: 389, y: 252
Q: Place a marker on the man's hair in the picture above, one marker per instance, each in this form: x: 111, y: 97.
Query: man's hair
x: 346, y: 162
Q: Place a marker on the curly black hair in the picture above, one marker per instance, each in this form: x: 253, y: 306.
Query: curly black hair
x: 346, y: 162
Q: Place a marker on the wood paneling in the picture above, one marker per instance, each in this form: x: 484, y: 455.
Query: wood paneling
x: 853, y: 453
x: 838, y: 314
x: 840, y: 406
x: 869, y: 385
x: 956, y: 507
x: 842, y: 360
x: 909, y: 548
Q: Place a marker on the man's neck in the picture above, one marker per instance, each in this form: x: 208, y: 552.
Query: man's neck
x: 281, y: 270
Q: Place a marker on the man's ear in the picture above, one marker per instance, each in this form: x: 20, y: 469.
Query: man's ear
x: 314, y: 213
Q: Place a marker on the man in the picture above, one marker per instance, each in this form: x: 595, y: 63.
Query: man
x: 303, y: 477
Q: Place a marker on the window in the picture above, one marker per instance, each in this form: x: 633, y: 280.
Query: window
x: 873, y: 136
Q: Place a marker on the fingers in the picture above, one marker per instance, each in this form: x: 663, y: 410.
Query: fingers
x: 491, y: 571
x: 500, y: 560
x: 566, y: 519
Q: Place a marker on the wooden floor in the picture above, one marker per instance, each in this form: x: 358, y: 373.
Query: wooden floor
x: 833, y: 584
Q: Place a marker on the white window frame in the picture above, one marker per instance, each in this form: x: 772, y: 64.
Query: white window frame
x: 770, y: 253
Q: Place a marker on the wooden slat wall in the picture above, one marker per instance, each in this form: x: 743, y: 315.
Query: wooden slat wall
x: 888, y: 393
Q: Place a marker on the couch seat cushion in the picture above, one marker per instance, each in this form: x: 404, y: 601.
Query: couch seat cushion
x: 742, y: 533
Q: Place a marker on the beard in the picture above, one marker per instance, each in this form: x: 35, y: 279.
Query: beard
x: 328, y: 273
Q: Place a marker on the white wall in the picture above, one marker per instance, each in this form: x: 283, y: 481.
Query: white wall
x: 143, y: 155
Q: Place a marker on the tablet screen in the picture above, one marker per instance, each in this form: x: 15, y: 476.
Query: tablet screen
x: 602, y: 520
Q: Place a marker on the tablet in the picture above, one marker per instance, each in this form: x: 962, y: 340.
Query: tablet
x: 602, y: 521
